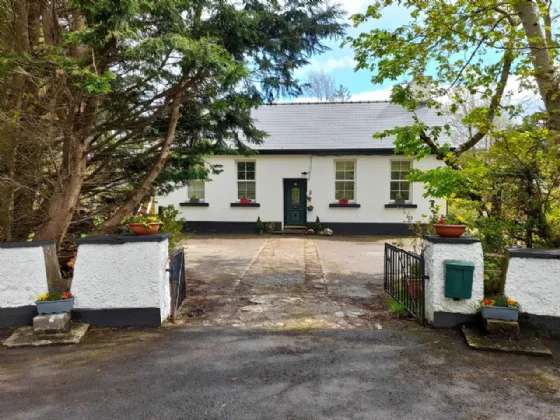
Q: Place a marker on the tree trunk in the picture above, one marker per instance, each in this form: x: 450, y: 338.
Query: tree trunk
x: 138, y: 196
x: 546, y: 75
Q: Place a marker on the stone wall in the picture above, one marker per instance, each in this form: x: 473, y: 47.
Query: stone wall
x: 122, y: 280
x: 442, y: 311
x: 23, y: 277
x: 533, y: 279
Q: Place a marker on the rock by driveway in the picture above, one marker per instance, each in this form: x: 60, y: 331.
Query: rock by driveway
x: 285, y: 282
x: 240, y: 374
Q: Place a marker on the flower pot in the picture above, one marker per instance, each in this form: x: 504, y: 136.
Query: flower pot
x: 501, y: 313
x: 450, y: 231
x: 54, y: 306
x: 309, y: 208
x: 244, y: 201
x: 140, y: 229
x: 343, y: 202
x: 413, y: 288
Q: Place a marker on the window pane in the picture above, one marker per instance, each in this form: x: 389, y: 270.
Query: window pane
x: 395, y: 166
x: 196, y: 188
x: 240, y: 175
x: 241, y: 166
x: 405, y: 165
x: 395, y: 186
x: 349, y: 166
x: 251, y: 193
x: 339, y: 175
x: 250, y: 166
x: 250, y: 175
x: 349, y: 175
x: 339, y: 166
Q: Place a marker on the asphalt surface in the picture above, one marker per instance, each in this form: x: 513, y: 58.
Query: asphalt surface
x: 212, y: 373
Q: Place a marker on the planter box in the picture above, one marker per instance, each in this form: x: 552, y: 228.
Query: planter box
x: 139, y: 229
x: 450, y: 231
x: 501, y: 313
x: 54, y: 306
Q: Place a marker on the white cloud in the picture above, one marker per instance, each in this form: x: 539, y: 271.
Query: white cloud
x: 326, y: 65
x: 352, y: 6
x: 372, y: 95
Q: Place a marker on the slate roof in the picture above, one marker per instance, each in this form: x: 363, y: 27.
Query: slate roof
x: 334, y: 126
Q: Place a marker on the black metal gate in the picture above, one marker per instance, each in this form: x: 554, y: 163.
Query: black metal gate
x: 404, y: 279
x: 177, y: 281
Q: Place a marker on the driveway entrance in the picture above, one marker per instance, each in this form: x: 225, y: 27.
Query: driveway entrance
x: 285, y: 282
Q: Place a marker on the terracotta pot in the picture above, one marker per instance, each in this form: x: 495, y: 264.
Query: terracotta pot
x: 413, y: 288
x: 243, y: 201
x: 343, y: 202
x: 139, y: 229
x: 450, y: 231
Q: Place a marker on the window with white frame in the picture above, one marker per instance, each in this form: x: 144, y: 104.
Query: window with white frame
x: 400, y: 186
x: 345, y: 180
x: 246, y: 180
x: 196, y: 189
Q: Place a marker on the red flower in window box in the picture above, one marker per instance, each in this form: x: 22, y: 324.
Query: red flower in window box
x: 343, y: 201
x: 245, y: 200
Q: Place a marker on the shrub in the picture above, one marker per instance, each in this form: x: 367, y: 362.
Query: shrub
x: 171, y: 225
x: 318, y: 225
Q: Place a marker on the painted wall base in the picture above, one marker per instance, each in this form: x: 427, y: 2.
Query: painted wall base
x: 15, y: 317
x: 548, y: 324
x: 454, y: 319
x: 394, y: 229
x: 125, y: 317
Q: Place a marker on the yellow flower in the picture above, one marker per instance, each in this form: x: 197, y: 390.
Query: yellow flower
x: 44, y: 296
x: 511, y: 302
x: 460, y: 219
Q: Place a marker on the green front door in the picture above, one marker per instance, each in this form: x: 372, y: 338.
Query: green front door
x: 295, y: 200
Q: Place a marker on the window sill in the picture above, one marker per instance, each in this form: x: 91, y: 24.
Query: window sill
x: 194, y: 204
x: 350, y: 205
x: 245, y: 205
x: 401, y: 206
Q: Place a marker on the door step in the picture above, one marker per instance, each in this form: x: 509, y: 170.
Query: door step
x: 292, y: 230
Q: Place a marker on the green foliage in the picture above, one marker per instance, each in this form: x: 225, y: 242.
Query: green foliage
x: 397, y: 308
x: 260, y: 225
x: 171, y: 224
x: 318, y: 225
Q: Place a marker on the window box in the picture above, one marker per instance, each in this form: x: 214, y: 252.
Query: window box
x: 245, y: 201
x: 194, y: 204
x: 343, y: 202
x: 251, y: 204
x: 397, y: 205
x: 348, y: 206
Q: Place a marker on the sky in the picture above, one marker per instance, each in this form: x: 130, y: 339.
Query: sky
x: 339, y: 62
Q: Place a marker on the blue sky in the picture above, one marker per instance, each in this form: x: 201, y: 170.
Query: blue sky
x: 339, y: 62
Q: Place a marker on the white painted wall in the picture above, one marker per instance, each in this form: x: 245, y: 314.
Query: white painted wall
x: 535, y: 284
x: 372, y: 190
x: 128, y: 275
x: 435, y: 255
x: 23, y: 276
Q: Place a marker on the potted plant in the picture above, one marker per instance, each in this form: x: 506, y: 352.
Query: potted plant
x: 244, y: 200
x: 450, y: 227
x: 343, y: 201
x: 502, y: 308
x: 143, y: 223
x: 399, y: 199
x: 195, y: 199
x: 260, y: 225
x: 318, y: 226
x: 412, y: 281
x: 53, y: 303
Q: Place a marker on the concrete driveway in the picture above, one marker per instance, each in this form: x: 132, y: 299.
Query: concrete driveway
x: 285, y: 282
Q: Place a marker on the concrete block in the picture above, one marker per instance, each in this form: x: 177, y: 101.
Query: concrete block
x: 505, y: 329
x: 52, y: 323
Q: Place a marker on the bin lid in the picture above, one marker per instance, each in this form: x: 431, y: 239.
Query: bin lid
x: 463, y: 265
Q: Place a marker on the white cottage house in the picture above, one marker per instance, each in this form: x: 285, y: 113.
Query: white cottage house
x: 315, y: 156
